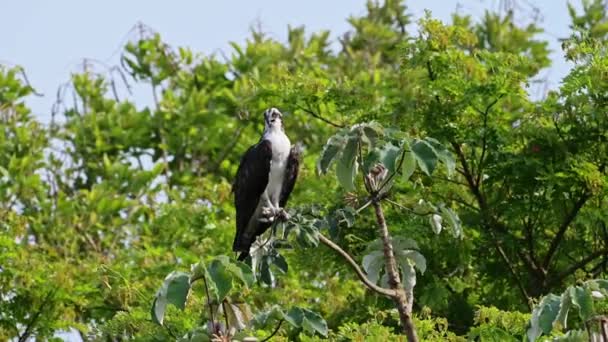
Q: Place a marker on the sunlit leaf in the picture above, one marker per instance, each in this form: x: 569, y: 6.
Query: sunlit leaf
x: 175, y: 290
x: 543, y: 316
x: 221, y: 278
x: 582, y: 300
x: 331, y: 150
x: 425, y: 155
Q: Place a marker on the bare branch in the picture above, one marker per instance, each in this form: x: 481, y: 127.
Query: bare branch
x: 511, y: 268
x: 484, y: 139
x: 362, y: 276
x: 584, y: 262
x: 315, y: 115
x: 562, y: 229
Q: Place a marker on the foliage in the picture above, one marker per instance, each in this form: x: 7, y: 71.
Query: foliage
x: 495, y: 197
x: 552, y: 311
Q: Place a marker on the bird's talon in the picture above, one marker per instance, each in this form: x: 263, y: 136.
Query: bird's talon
x: 283, y: 215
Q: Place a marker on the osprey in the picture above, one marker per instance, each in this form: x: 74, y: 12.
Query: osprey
x: 264, y: 181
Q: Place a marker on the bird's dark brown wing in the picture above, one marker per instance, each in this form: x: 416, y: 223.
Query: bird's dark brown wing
x: 291, y: 174
x: 251, y: 181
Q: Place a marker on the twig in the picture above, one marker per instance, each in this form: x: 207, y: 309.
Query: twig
x: 362, y: 276
x: 562, y: 229
x: 211, y: 315
x: 276, y: 330
x: 30, y: 325
x: 315, y: 115
x: 390, y: 177
x: 505, y: 258
x: 579, y: 265
x: 484, y: 142
x: 225, y: 315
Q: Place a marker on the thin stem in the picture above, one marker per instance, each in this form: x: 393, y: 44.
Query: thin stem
x: 274, y: 332
x: 315, y: 115
x: 362, y: 276
x: 211, y: 315
x: 225, y: 315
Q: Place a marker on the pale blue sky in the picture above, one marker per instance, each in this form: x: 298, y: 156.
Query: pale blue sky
x: 50, y: 38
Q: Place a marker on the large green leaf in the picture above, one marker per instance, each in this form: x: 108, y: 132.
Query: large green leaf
x: 346, y: 174
x: 373, y: 264
x: 581, y: 299
x: 175, y: 290
x: 331, y: 150
x: 543, y: 316
x: 409, y: 165
x: 561, y: 321
x: 346, y: 167
x: 452, y: 219
x: 388, y: 155
x: 444, y: 155
x: 425, y: 155
x: 221, y: 279
x: 371, y: 131
x: 309, y: 321
x: 314, y: 323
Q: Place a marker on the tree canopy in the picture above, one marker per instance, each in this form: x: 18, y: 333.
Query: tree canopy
x: 117, y: 216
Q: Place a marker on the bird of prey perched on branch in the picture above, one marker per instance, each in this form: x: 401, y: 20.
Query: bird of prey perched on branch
x: 264, y: 181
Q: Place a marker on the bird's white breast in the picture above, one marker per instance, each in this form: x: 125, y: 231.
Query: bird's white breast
x: 281, y: 147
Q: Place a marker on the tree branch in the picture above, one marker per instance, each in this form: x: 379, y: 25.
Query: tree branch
x: 362, y: 276
x: 579, y: 265
x: 402, y: 300
x: 505, y: 258
x: 484, y: 139
x: 315, y: 115
x: 562, y: 229
x: 32, y: 323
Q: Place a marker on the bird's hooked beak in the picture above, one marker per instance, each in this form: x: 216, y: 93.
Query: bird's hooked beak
x: 274, y: 115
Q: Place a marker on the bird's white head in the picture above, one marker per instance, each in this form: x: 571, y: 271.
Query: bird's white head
x: 273, y: 120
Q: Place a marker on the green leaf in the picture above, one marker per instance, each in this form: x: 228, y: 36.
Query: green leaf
x: 444, y: 155
x: 415, y: 257
x: 239, y: 270
x: 452, y: 220
x: 313, y: 322
x: 373, y: 264
x: 294, y: 316
x: 561, y: 320
x: 221, y: 278
x: 543, y: 316
x: 280, y: 262
x: 388, y: 156
x: 332, y: 148
x: 349, y: 152
x: 425, y: 156
x: 370, y: 133
x: 346, y: 168
x: 265, y: 273
x: 346, y: 175
x: 409, y: 165
x: 159, y: 305
x: 175, y: 290
x: 581, y: 299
